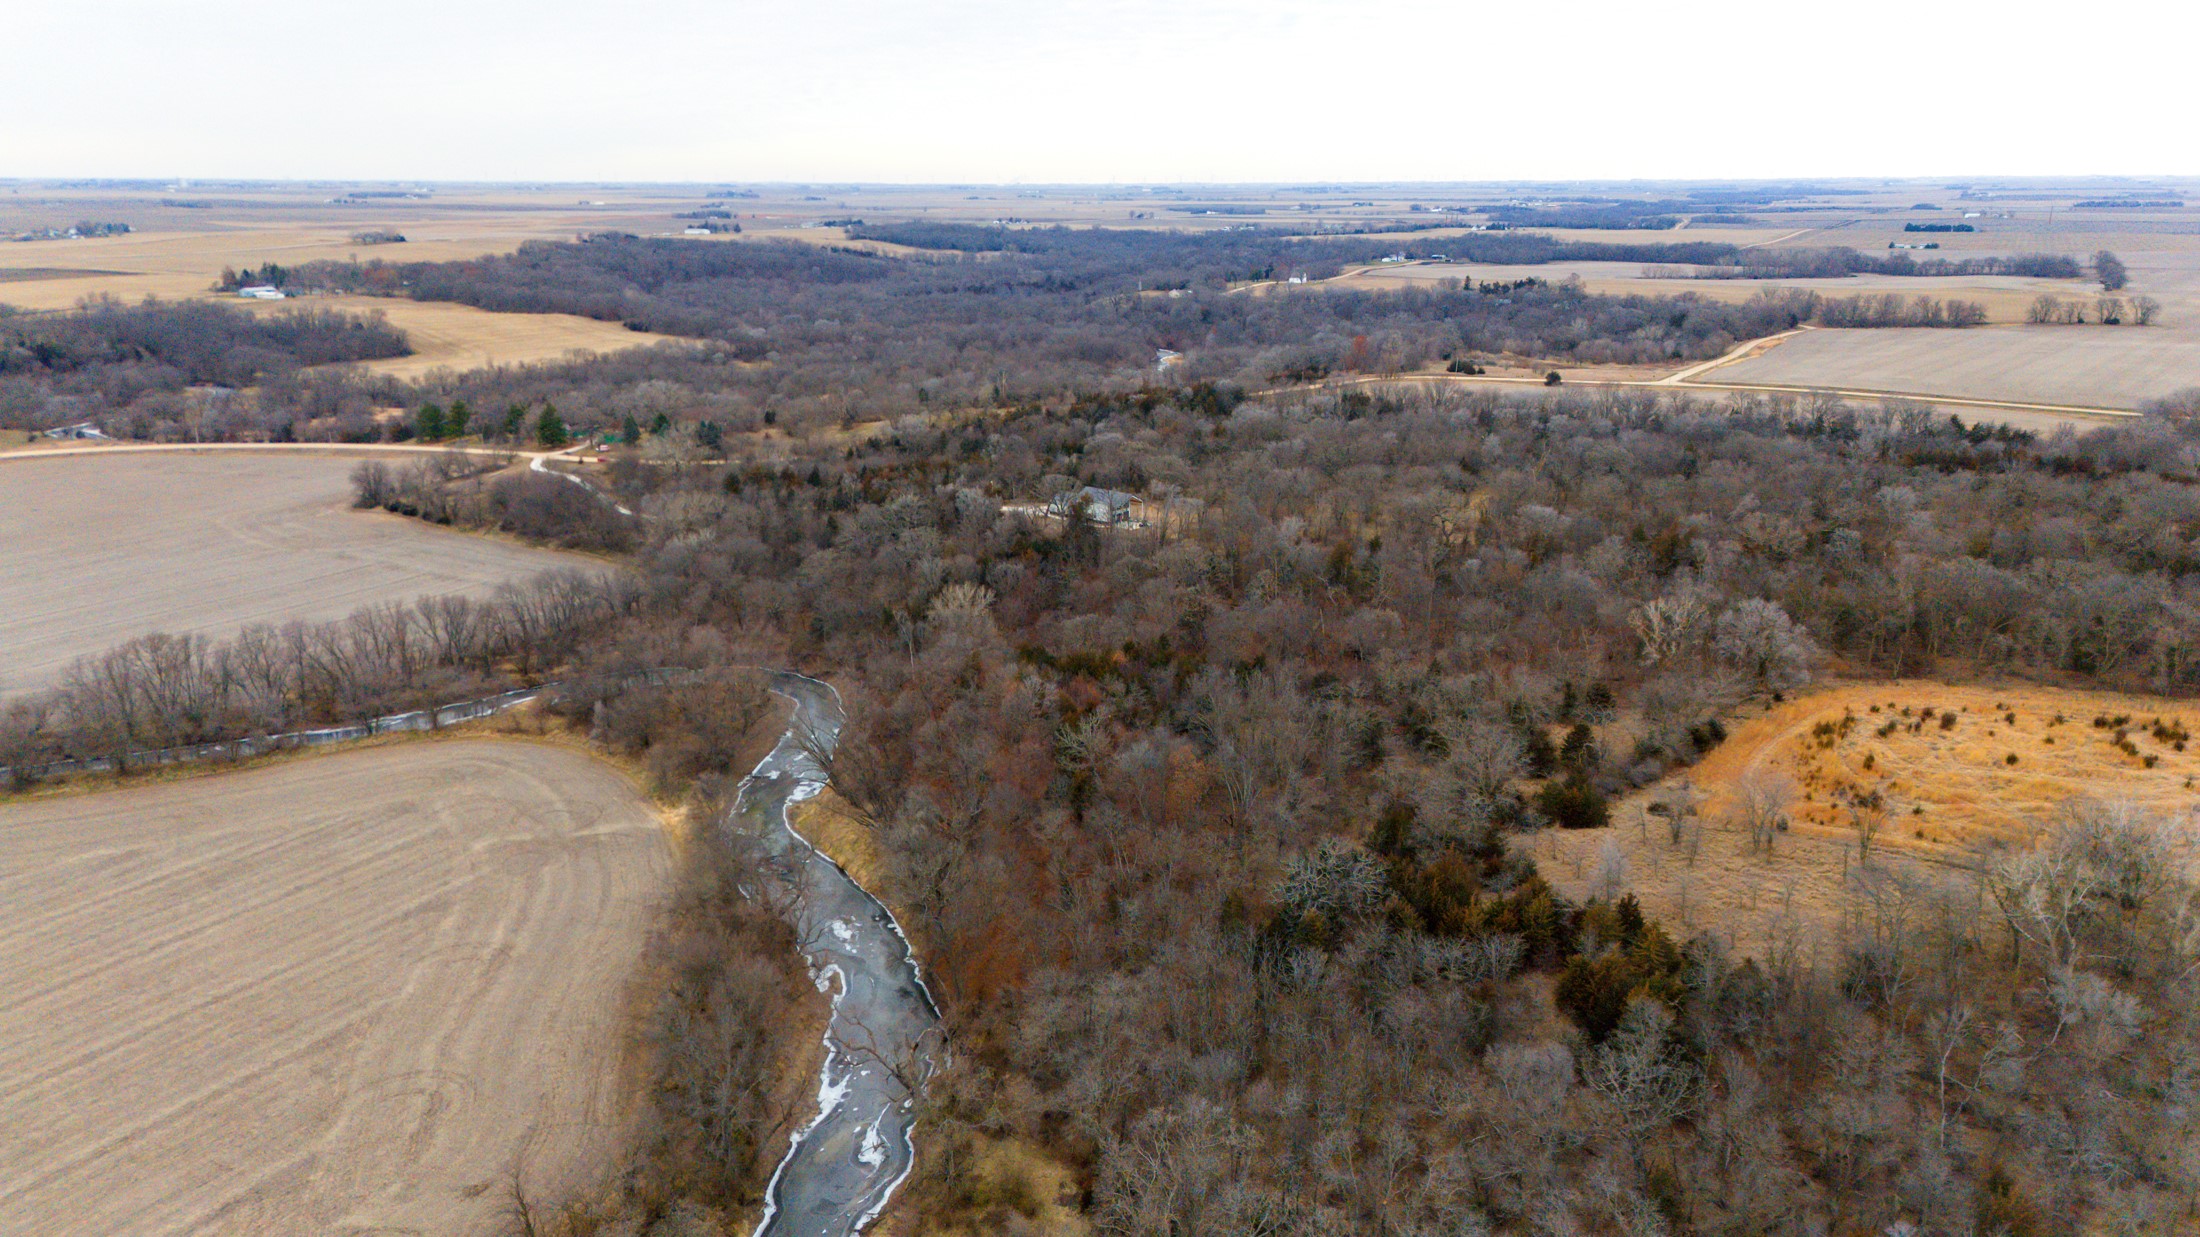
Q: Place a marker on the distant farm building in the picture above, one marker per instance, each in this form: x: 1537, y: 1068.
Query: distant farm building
x: 262, y: 292
x: 81, y: 430
x: 1098, y: 505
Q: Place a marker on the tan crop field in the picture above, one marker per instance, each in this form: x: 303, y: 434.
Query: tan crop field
x: 2105, y: 366
x: 102, y: 548
x: 1950, y: 794
x: 346, y: 994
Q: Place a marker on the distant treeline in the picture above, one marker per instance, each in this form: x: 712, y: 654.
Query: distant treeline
x: 1938, y: 227
x: 1506, y: 247
x: 2129, y: 204
x: 805, y: 331
x: 1650, y: 216
x: 1894, y: 309
x: 81, y: 228
x: 798, y: 335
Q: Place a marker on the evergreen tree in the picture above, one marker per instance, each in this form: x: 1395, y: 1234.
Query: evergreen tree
x: 550, y: 428
x: 456, y: 419
x: 428, y: 423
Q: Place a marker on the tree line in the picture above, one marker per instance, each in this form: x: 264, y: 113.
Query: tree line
x: 1837, y: 262
x: 164, y: 690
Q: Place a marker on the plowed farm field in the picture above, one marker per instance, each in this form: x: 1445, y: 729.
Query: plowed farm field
x: 102, y: 548
x: 356, y: 993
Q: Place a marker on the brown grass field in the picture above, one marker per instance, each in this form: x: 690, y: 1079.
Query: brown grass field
x: 346, y: 994
x: 104, y: 548
x: 461, y: 337
x: 1952, y: 796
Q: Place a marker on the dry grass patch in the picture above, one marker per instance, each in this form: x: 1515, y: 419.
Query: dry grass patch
x: 829, y: 823
x: 446, y: 335
x: 1934, y: 794
x: 999, y: 1178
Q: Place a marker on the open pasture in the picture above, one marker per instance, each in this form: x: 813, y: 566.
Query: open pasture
x: 444, y: 334
x: 1948, y: 795
x: 105, y: 547
x: 350, y: 994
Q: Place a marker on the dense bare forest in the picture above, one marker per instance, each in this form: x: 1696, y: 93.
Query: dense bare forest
x: 116, y: 362
x: 815, y: 333
x: 910, y: 319
x: 1205, y: 827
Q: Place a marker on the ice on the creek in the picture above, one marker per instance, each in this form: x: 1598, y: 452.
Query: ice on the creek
x: 873, y: 1153
x: 843, y: 932
x: 829, y: 1094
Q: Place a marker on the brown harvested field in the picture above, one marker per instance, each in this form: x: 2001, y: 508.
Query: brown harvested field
x: 1951, y: 795
x: 2104, y: 366
x: 343, y: 994
x: 101, y: 548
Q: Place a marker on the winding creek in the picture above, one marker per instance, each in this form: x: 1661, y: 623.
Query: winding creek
x: 842, y: 1168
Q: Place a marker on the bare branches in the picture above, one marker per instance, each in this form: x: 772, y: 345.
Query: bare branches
x: 1761, y: 800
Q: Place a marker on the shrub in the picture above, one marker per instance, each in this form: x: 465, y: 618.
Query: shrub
x: 1573, y: 804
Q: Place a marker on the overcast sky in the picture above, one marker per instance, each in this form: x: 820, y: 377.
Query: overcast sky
x: 1088, y: 90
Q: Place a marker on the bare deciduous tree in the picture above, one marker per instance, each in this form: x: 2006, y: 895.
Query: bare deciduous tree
x: 1761, y: 799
